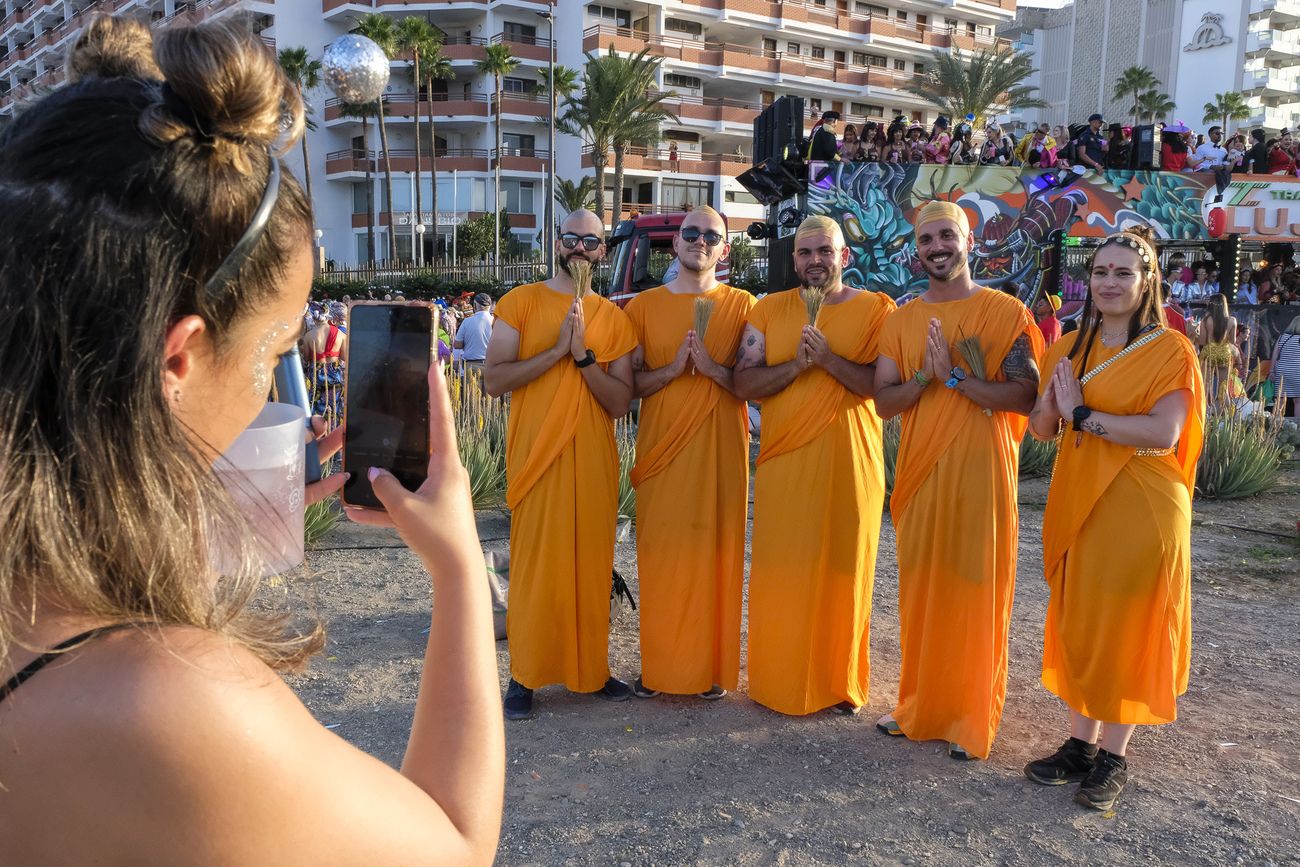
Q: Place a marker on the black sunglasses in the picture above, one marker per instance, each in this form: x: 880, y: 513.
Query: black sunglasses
x: 569, y: 240
x: 691, y: 234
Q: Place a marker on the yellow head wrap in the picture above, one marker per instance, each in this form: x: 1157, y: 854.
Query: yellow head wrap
x: 931, y: 211
x: 820, y: 224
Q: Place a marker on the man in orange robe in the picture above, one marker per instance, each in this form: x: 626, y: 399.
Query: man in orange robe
x: 692, y: 471
x: 567, y: 364
x: 819, y: 488
x: 954, y: 496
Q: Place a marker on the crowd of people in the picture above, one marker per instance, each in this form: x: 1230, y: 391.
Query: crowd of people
x: 1095, y: 145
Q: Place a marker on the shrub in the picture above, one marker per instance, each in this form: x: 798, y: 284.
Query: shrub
x: 893, y: 432
x: 318, y: 520
x: 1242, y: 455
x: 1036, y: 457
x: 480, y: 438
x: 625, y: 439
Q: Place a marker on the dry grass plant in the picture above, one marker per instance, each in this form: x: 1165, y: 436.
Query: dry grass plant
x: 703, y: 312
x: 813, y: 297
x: 973, y: 354
x: 480, y: 423
x: 580, y: 271
x: 625, y: 439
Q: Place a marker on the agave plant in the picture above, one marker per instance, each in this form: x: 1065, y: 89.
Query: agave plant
x: 1242, y: 455
x: 625, y: 439
x: 893, y: 433
x: 318, y: 520
x: 1036, y: 456
x: 480, y: 438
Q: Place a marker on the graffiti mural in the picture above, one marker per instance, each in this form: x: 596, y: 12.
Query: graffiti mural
x: 1015, y: 214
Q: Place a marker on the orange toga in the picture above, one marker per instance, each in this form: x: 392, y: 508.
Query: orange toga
x: 819, y: 492
x: 1117, y: 543
x: 955, y: 515
x: 692, y: 498
x: 562, y: 471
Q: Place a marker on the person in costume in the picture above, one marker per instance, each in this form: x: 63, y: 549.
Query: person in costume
x: 959, y: 364
x: 1125, y: 399
x: 692, y: 470
x: 808, y: 355
x: 567, y: 364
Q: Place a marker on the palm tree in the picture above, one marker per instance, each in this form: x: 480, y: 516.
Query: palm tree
x: 1226, y: 107
x: 574, y: 197
x: 379, y: 28
x: 638, y: 110
x: 304, y: 73
x: 566, y: 81
x: 1154, y: 104
x: 417, y: 37
x: 363, y: 111
x: 976, y: 83
x: 587, y: 115
x: 436, y: 67
x: 497, y: 61
x: 1133, y: 82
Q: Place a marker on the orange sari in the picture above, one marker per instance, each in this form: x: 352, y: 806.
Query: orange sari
x: 955, y: 514
x: 562, y: 473
x: 692, y: 498
x: 819, y: 493
x: 1117, y: 544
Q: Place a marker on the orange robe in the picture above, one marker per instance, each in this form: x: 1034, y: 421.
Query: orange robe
x: 819, y: 492
x: 955, y: 515
x: 562, y: 490
x: 1117, y: 544
x: 692, y: 498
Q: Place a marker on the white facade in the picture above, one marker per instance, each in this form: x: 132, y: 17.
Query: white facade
x: 723, y: 59
x: 1197, y: 48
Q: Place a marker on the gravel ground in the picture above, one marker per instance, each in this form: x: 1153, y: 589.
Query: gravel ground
x: 681, y: 781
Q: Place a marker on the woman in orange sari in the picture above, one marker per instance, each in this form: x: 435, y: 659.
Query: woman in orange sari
x: 1125, y: 399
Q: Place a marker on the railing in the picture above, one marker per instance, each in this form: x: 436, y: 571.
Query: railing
x: 411, y: 98
x: 377, y: 157
x: 382, y: 275
x: 521, y: 40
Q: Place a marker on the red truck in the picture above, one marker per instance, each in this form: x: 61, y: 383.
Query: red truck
x: 642, y: 251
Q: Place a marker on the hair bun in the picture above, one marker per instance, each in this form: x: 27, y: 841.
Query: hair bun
x: 232, y: 82
x: 113, y: 46
x: 1143, y: 232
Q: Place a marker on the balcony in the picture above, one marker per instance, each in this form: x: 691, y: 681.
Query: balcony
x: 529, y: 106
x: 403, y: 159
x: 1283, y: 45
x: 1272, y: 81
x: 745, y: 62
x: 640, y: 159
x: 1272, y: 118
x: 1278, y: 11
x: 340, y: 8
x: 403, y: 219
x: 473, y: 106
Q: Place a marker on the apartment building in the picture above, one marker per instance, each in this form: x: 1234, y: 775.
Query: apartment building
x: 723, y: 60
x: 1197, y: 48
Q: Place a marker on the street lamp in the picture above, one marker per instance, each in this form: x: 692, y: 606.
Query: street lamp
x: 419, y: 231
x: 316, y: 235
x: 549, y: 235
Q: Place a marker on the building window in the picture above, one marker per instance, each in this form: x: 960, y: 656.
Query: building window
x: 918, y: 68
x: 681, y: 136
x: 518, y: 144
x: 793, y: 48
x: 525, y: 33
x: 610, y: 15
x: 739, y: 197
x: 519, y: 196
x: 679, y: 25
x: 900, y: 64
x: 866, y: 109
x: 518, y: 85
x: 674, y: 79
x: 900, y: 14
x: 814, y: 105
x: 674, y: 194
x: 819, y: 52
x: 876, y: 60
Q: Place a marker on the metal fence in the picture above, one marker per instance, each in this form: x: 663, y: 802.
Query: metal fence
x: 382, y: 273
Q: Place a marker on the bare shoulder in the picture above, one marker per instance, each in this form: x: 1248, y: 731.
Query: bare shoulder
x: 179, y: 743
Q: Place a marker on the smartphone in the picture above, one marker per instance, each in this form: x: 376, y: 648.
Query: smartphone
x: 386, y: 396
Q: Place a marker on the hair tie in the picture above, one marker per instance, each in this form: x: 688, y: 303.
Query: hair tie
x: 185, y: 113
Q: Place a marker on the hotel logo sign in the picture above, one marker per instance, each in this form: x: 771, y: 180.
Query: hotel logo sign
x: 1210, y: 34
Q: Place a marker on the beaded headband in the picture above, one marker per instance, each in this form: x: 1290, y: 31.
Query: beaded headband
x: 1133, y: 243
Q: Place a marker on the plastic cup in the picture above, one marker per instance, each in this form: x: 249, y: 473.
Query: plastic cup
x: 263, y: 471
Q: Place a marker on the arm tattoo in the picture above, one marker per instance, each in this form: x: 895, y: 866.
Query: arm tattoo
x: 1094, y: 428
x: 1019, y: 364
x: 752, y: 352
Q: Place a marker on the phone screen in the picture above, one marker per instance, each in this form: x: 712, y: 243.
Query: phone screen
x: 386, y: 398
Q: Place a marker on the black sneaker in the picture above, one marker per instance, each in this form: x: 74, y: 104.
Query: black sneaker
x: 1104, y: 784
x: 640, y: 690
x: 713, y: 693
x: 519, y: 701
x: 1070, y: 764
x: 614, y: 690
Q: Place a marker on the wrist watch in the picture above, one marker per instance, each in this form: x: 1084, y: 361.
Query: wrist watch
x: 1081, y: 414
x: 956, y: 376
x: 588, y: 361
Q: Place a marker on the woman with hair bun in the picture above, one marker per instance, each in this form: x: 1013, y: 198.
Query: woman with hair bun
x: 1125, y: 401
x: 157, y: 263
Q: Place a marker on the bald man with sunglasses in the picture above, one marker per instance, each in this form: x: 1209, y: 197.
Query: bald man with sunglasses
x: 567, y: 364
x: 692, y: 470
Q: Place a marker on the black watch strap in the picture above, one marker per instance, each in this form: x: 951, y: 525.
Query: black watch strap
x: 588, y: 361
x: 1081, y: 413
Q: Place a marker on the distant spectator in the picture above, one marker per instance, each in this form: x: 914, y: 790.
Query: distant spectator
x: 1236, y: 157
x: 1090, y: 146
x: 1281, y: 156
x: 1037, y: 150
x: 823, y: 145
x: 471, y: 339
x: 1173, y: 147
x: 1218, y: 325
x: 1117, y: 149
x: 896, y: 148
x: 1173, y: 314
x: 962, y: 151
x: 1045, y: 312
x: 1285, y: 370
x: 1256, y: 161
x: 937, y: 148
x: 1211, y: 155
x: 851, y: 149
x: 673, y: 164
x: 997, y: 149
x: 1271, y: 284
x: 1247, y: 291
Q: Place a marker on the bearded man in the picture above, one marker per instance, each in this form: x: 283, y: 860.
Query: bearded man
x: 567, y: 364
x: 808, y: 354
x: 692, y: 470
x: 959, y: 364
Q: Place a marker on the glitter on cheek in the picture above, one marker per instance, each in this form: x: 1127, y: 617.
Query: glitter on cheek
x: 261, y: 366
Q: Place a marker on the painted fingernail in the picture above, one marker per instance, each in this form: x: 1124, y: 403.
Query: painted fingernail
x: 373, y: 473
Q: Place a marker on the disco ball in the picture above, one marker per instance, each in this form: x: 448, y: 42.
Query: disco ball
x: 355, y: 68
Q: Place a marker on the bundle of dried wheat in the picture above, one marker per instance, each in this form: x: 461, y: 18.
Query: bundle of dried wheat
x: 580, y: 271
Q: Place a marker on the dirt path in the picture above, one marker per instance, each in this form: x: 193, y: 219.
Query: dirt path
x: 677, y: 781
